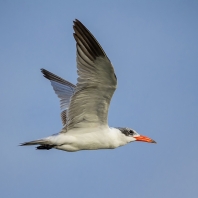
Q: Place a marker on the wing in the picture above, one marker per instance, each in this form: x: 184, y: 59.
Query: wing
x: 96, y: 82
x: 64, y: 91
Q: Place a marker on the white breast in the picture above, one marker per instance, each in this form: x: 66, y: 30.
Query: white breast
x: 90, y: 139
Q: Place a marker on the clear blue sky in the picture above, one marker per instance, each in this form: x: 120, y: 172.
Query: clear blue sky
x: 153, y: 46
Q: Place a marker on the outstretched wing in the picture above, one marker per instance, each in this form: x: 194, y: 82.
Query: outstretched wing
x: 63, y: 89
x: 96, y: 82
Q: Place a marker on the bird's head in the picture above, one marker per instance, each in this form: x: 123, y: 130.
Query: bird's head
x: 132, y: 136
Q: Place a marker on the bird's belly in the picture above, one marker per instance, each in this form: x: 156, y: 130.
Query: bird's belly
x: 87, y: 141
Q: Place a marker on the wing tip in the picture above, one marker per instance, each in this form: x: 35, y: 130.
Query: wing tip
x: 90, y: 43
x: 52, y: 77
x: 46, y: 73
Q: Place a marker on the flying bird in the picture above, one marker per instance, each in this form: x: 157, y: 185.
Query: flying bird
x: 84, y: 107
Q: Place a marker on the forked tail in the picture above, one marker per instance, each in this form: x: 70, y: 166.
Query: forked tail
x: 43, y: 144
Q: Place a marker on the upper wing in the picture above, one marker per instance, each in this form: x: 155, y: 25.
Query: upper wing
x: 63, y: 89
x: 96, y: 82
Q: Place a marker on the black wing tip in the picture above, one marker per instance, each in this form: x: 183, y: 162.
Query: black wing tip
x: 50, y: 76
x: 76, y: 21
x: 87, y: 39
x: 43, y: 70
x: 44, y: 147
x: 46, y: 73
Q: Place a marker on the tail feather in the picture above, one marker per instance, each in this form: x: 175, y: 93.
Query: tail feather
x: 44, y: 144
x: 34, y: 142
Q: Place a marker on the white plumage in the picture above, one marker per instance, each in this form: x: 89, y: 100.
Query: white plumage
x: 85, y: 106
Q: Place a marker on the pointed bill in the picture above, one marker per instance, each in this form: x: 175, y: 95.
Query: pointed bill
x: 143, y: 138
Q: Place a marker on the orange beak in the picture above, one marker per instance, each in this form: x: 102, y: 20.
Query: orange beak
x: 144, y: 139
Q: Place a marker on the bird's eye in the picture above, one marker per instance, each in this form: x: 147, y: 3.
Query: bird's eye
x: 131, y: 132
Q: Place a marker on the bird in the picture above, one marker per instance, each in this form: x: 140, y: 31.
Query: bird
x: 84, y: 106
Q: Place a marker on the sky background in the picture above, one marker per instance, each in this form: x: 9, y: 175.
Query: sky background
x: 153, y: 46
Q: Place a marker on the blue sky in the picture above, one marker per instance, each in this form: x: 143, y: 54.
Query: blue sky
x: 153, y: 46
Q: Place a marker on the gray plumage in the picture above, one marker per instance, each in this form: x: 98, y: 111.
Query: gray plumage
x: 84, y: 107
x: 96, y: 82
x: 64, y: 90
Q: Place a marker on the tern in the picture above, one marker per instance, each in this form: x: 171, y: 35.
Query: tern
x: 84, y: 107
